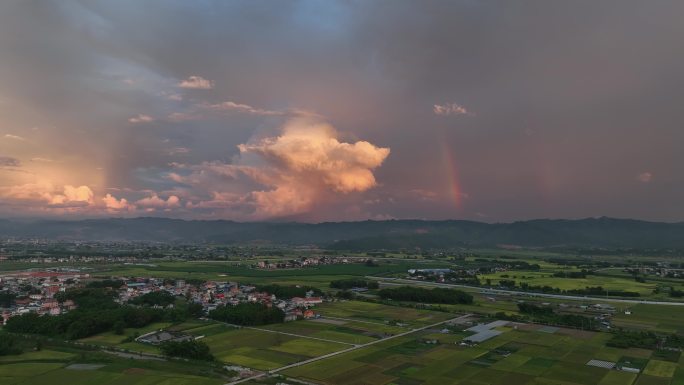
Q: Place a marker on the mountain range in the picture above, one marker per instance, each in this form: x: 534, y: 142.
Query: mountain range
x: 365, y: 235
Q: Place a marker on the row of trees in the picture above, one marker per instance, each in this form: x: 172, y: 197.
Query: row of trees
x: 79, y: 323
x: 572, y: 274
x: 600, y: 291
x: 155, y: 298
x: 248, y: 314
x: 346, y: 284
x: 546, y: 315
x: 419, y: 294
x: 633, y: 339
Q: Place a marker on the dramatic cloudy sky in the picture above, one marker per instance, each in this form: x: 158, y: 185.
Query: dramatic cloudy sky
x: 323, y: 110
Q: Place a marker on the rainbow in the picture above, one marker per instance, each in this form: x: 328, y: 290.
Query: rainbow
x: 452, y: 174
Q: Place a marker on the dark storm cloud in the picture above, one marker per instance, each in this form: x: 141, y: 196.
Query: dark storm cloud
x: 567, y: 107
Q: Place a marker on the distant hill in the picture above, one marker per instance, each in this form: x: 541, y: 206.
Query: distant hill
x: 591, y: 232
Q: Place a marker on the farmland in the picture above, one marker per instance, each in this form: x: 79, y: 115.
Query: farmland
x: 365, y: 339
x: 520, y: 355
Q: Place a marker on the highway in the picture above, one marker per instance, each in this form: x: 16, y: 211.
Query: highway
x: 401, y: 281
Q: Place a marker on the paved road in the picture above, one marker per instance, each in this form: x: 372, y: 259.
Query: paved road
x: 365, y: 345
x: 356, y: 347
x: 400, y: 281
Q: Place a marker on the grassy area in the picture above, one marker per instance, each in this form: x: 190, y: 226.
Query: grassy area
x: 50, y: 366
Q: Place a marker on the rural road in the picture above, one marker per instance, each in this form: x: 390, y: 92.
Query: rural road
x: 401, y: 281
x: 325, y: 356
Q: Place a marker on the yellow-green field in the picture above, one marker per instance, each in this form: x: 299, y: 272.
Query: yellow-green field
x: 260, y: 349
x: 516, y: 357
x: 546, y: 278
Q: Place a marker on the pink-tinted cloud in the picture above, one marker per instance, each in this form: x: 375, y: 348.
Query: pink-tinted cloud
x: 645, y: 177
x: 154, y: 202
x: 71, y: 194
x: 304, y: 165
x: 234, y: 107
x: 14, y: 137
x: 113, y: 204
x: 196, y: 82
x: 141, y: 118
x: 47, y: 195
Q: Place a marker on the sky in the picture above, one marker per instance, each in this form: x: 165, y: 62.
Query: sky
x: 342, y: 110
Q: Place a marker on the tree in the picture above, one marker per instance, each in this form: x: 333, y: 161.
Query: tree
x: 192, y: 349
x: 8, y: 344
x: 7, y: 299
x: 119, y: 327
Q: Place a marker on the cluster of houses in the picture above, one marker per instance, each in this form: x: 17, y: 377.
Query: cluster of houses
x: 35, y: 292
x: 307, y: 262
x: 442, y: 275
x: 212, y: 294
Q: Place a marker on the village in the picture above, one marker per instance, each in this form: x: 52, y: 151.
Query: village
x: 37, y: 292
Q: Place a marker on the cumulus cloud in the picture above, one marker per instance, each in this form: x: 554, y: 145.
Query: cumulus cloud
x: 71, y: 194
x: 303, y: 165
x: 154, y: 202
x: 196, y: 82
x: 6, y: 161
x: 450, y: 109
x: 113, y: 204
x: 46, y: 194
x: 141, y: 118
x: 645, y: 177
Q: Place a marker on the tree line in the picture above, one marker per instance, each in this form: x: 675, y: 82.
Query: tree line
x: 419, y: 294
x: 346, y: 284
x: 248, y: 314
x: 96, y: 312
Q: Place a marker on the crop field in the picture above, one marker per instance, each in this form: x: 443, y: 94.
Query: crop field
x: 668, y: 319
x: 546, y: 278
x: 260, y: 349
x: 338, y: 330
x: 374, y: 312
x: 516, y: 357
